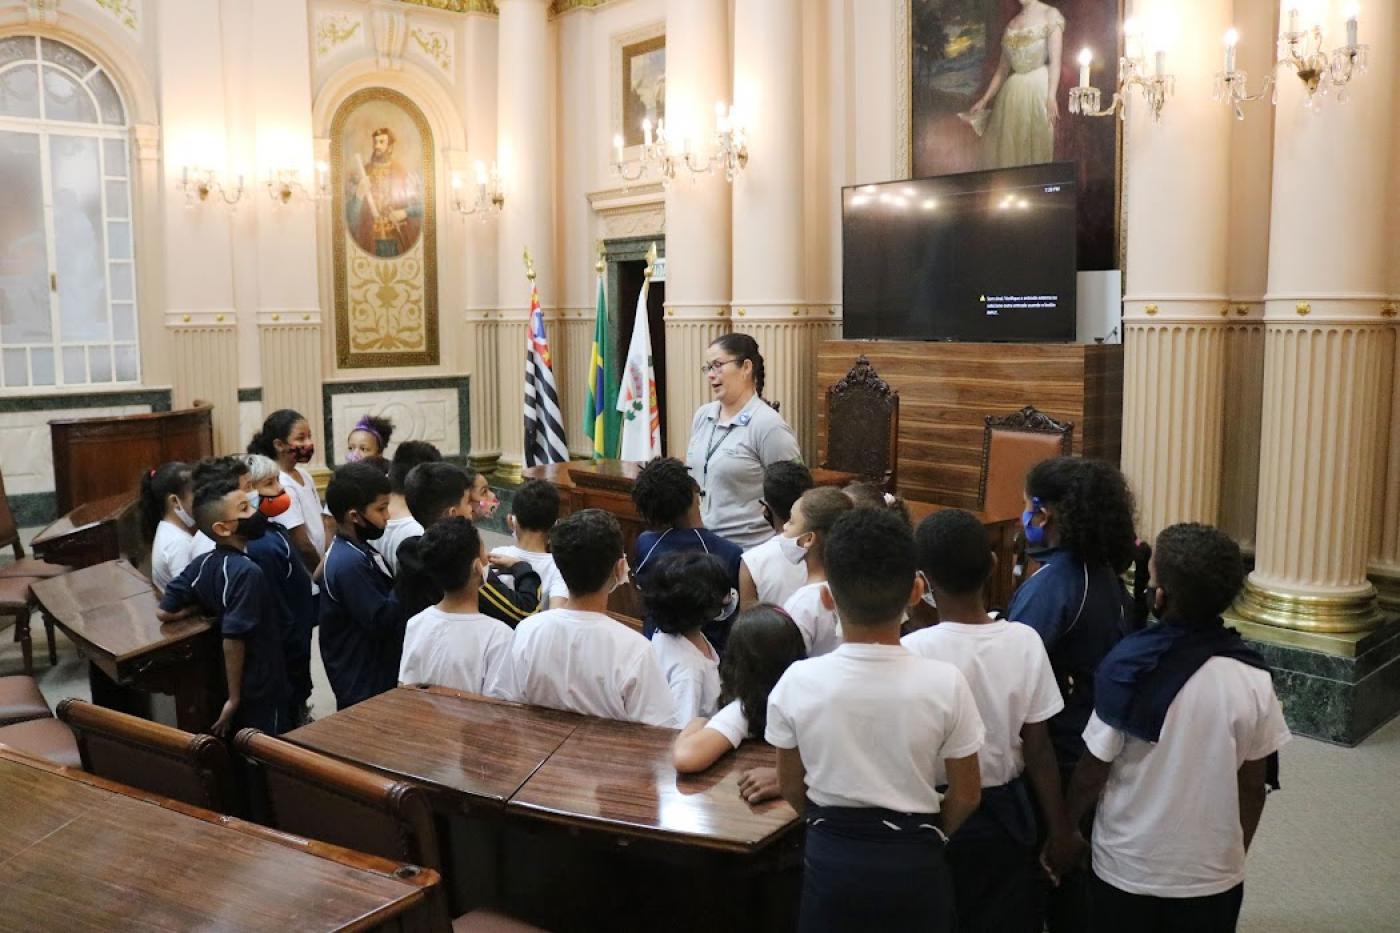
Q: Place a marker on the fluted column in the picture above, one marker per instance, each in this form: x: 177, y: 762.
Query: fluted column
x: 485, y: 394
x: 1384, y: 568
x: 1327, y: 346
x: 1174, y: 314
x: 524, y: 145
x: 697, y: 213
x: 769, y: 300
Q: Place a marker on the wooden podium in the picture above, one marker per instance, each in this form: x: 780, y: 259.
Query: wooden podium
x: 94, y: 458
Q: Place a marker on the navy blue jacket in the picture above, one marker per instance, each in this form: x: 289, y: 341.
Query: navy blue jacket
x: 1078, y: 629
x: 652, y: 544
x: 362, y: 623
x: 291, y: 588
x: 226, y: 585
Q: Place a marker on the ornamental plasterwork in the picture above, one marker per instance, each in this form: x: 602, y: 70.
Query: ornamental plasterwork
x: 436, y: 45
x: 334, y: 29
x: 127, y: 12
x: 457, y: 6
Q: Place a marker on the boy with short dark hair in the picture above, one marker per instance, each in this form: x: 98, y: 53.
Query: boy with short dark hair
x: 668, y: 499
x: 435, y: 491
x: 861, y: 733
x: 1183, y: 740
x: 997, y: 879
x: 402, y: 525
x: 765, y: 575
x: 577, y: 657
x: 207, y: 470
x: 533, y: 511
x: 226, y: 585
x: 362, y: 621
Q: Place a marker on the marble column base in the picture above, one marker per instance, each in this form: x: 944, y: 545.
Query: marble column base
x: 1327, y: 695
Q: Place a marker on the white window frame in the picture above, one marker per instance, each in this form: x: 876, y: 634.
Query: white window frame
x: 45, y: 128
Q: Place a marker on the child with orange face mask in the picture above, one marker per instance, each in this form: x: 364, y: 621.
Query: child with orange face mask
x: 291, y: 585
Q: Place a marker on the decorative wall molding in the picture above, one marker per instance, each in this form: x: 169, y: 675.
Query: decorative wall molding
x: 435, y: 45
x: 630, y: 212
x: 435, y: 409
x: 43, y: 12
x: 126, y: 12
x: 390, y: 35
x: 217, y: 318
x: 458, y: 6
x: 146, y: 140
x: 287, y: 317
x: 334, y: 29
x: 903, y: 88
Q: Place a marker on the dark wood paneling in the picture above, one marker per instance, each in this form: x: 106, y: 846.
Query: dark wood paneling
x: 98, y: 457
x: 947, y: 389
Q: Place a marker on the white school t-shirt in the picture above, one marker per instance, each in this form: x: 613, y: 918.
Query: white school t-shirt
x: 1168, y: 824
x: 589, y: 663
x: 201, y: 543
x: 692, y: 677
x: 1009, y: 673
x: 552, y: 585
x: 774, y: 576
x: 396, y: 531
x: 731, y: 723
x: 873, y: 724
x: 820, y: 626
x: 170, y: 553
x: 305, y: 509
x: 464, y: 651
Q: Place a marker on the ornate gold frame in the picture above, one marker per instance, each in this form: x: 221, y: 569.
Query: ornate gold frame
x: 431, y: 355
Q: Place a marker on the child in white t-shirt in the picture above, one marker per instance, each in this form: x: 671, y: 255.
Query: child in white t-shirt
x: 577, y: 657
x: 763, y: 643
x: 533, y: 512
x: 1181, y: 745
x: 167, y: 496
x: 402, y: 525
x: 997, y: 877
x: 803, y: 541
x: 452, y: 644
x: 865, y: 734
x: 683, y: 591
x: 285, y: 437
x: 765, y: 575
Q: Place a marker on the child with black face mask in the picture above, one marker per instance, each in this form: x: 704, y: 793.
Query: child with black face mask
x: 227, y: 585
x: 362, y: 621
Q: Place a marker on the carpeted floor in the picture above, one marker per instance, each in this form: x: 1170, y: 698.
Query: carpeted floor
x: 1327, y: 855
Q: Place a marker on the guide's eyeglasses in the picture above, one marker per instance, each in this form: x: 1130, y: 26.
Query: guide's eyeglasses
x: 715, y: 367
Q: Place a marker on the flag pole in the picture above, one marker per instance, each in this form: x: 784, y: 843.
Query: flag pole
x: 530, y: 265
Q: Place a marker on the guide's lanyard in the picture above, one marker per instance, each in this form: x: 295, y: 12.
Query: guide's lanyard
x: 713, y: 446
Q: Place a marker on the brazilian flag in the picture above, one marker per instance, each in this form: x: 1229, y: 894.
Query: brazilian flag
x: 599, y: 414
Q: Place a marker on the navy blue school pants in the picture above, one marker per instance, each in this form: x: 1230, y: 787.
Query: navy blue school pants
x: 998, y: 884
x: 874, y: 869
x: 1116, y: 909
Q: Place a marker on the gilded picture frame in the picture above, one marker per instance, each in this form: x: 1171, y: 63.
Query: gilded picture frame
x: 384, y: 232
x: 642, y: 89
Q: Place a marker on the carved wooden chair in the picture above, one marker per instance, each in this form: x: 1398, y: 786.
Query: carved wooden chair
x: 1011, y: 445
x: 862, y: 426
x: 16, y: 602
x: 193, y: 769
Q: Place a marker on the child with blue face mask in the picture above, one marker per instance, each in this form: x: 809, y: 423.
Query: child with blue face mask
x: 1078, y: 522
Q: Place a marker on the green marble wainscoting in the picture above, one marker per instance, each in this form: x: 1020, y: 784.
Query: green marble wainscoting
x: 1341, y: 694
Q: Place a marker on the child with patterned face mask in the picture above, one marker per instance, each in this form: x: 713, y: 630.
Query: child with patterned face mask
x: 167, y: 501
x: 368, y: 438
x: 285, y: 438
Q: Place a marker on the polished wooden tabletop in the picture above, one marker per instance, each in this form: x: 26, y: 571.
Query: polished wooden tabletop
x: 617, y: 777
x: 85, y: 516
x: 111, y: 609
x: 79, y: 854
x: 458, y: 744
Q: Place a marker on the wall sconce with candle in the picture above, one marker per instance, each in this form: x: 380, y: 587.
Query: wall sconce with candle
x: 198, y: 184
x: 489, y: 197
x: 1084, y: 100
x: 1299, y: 48
x: 660, y: 157
x: 285, y: 183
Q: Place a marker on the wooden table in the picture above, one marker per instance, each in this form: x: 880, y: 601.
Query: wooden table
x: 468, y: 751
x: 109, y: 612
x: 80, y: 853
x: 94, y: 532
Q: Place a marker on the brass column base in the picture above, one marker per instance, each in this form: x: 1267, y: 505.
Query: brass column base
x: 1387, y: 583
x: 1320, y: 615
x: 485, y: 463
x: 509, y: 473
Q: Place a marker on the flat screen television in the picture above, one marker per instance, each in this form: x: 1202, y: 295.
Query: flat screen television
x: 980, y: 256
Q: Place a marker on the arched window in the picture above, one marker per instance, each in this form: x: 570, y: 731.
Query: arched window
x: 67, y: 267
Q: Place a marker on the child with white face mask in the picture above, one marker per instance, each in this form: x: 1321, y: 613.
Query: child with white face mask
x: 167, y: 496
x: 803, y: 542
x: 684, y: 591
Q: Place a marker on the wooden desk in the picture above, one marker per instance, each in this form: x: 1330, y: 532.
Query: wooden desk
x: 95, y: 532
x: 109, y: 612
x: 617, y: 778
x: 467, y: 751
x: 82, y: 854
